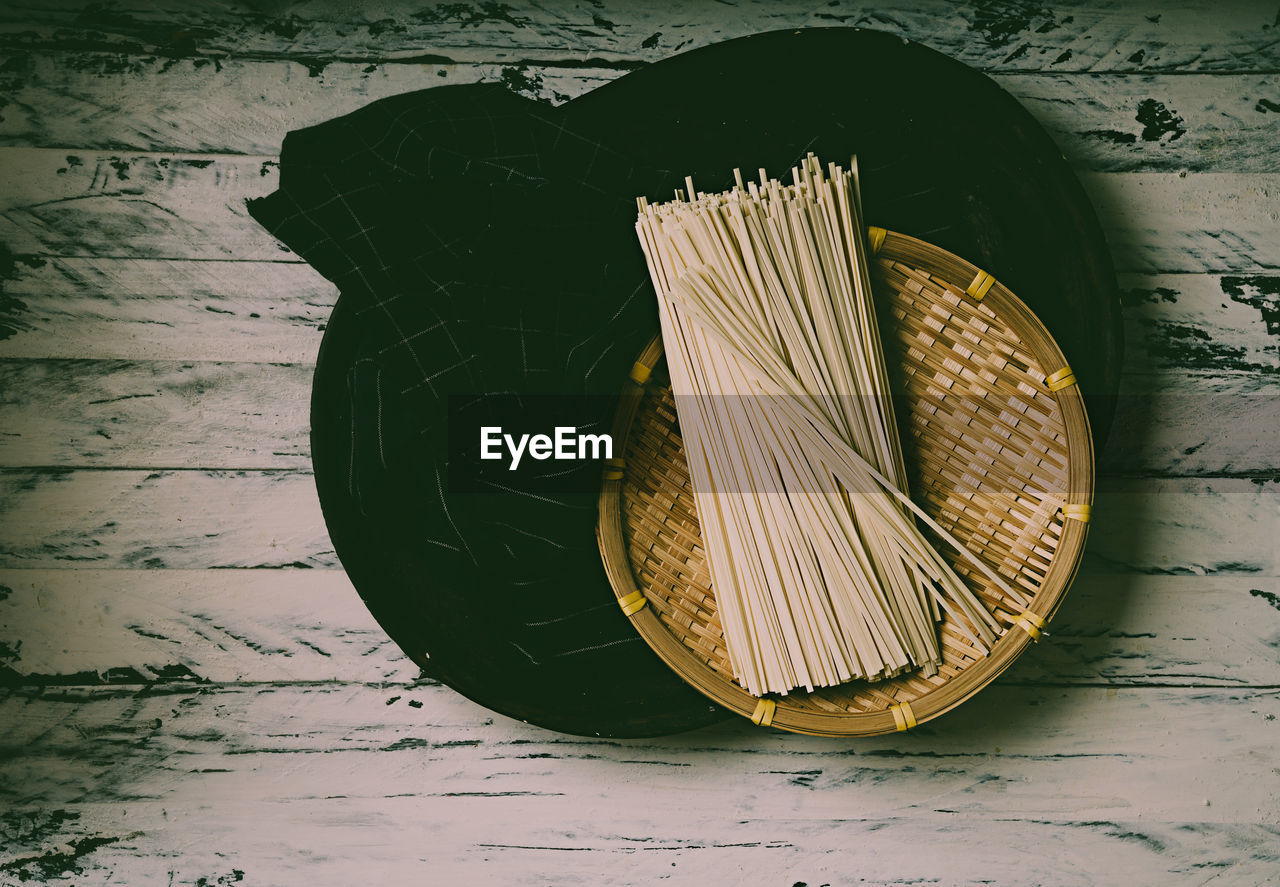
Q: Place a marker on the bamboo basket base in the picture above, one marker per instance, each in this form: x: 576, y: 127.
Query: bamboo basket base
x: 997, y: 443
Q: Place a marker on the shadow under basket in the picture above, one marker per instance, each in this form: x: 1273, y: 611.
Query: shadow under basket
x: 998, y: 452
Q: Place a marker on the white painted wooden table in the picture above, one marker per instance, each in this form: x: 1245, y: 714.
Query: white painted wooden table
x: 193, y: 694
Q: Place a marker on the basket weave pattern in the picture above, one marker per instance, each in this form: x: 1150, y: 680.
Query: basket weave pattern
x: 992, y: 455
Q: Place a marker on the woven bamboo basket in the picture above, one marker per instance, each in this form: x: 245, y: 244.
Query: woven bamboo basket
x: 999, y: 453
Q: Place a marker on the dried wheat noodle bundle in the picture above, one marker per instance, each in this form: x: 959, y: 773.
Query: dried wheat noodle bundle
x: 820, y: 570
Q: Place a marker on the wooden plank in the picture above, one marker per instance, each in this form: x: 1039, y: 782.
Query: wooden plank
x: 516, y: 841
x: 1186, y: 335
x: 158, y: 626
x: 154, y: 519
x: 1120, y: 629
x: 1074, y: 786
x: 1206, y: 222
x: 192, y: 207
x: 139, y: 626
x: 1186, y: 526
x: 153, y: 103
x: 164, y: 309
x: 1074, y: 36
x: 135, y: 206
x: 1202, y: 371
x: 205, y: 519
x: 156, y: 413
x: 1112, y: 122
x: 273, y: 312
x: 67, y: 413
x: 1202, y: 357
x: 1228, y: 324
x: 145, y: 309
x: 1194, y: 423
x: 1152, y: 122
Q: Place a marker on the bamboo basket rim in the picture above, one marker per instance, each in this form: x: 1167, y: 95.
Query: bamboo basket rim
x: 778, y: 711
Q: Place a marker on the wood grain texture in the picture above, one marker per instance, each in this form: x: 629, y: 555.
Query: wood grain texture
x: 1185, y: 333
x: 89, y: 99
x: 1181, y: 420
x: 1202, y: 355
x: 87, y: 626
x: 1186, y: 526
x: 135, y: 206
x: 1202, y: 371
x: 154, y: 414
x: 1197, y: 397
x: 162, y: 206
x: 142, y: 626
x: 163, y: 309
x: 1204, y: 123
x: 1194, y: 423
x: 454, y: 791
x: 562, y: 847
x: 273, y: 312
x: 177, y: 520
x: 202, y: 519
x: 1228, y: 324
x: 1197, y: 35
x: 1201, y: 122
x: 1119, y: 629
x: 193, y: 693
x: 1189, y: 223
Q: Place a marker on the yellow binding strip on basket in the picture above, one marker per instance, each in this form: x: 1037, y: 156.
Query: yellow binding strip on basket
x: 903, y: 716
x: 1031, y: 623
x: 613, y: 468
x: 640, y: 372
x: 1063, y: 378
x: 1081, y: 513
x: 763, y: 715
x: 981, y: 284
x: 632, y: 603
x: 875, y: 239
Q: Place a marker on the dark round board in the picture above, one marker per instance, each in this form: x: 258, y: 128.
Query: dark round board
x: 533, y: 264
